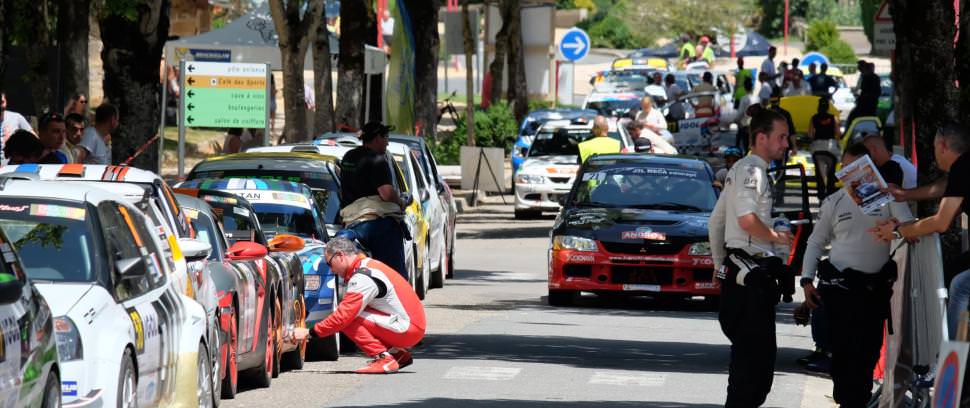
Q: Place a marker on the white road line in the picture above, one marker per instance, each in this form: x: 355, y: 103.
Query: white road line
x: 482, y: 373
x: 642, y: 380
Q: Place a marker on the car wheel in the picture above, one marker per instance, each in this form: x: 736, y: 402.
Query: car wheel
x: 451, y: 262
x: 230, y: 382
x: 326, y: 349
x: 262, y: 375
x: 562, y: 297
x: 203, y: 389
x: 127, y: 383
x: 419, y: 288
x: 52, y: 391
x: 438, y: 277
x: 278, y: 333
x: 293, y: 360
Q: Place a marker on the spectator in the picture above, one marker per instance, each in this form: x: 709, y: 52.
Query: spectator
x: 891, y: 171
x: 74, y: 126
x: 767, y: 90
x: 869, y: 91
x: 739, y: 79
x: 783, y: 76
x: 12, y: 121
x: 673, y: 91
x: 707, y: 54
x: 909, y: 170
x: 749, y: 101
x: 77, y: 103
x: 768, y: 65
x: 822, y: 83
x: 96, y: 141
x: 235, y: 141
x: 52, y: 135
x: 651, y: 118
x: 823, y: 130
x: 950, y: 149
x: 387, y: 29
x: 731, y: 156
x: 706, y: 85
x: 23, y: 147
x: 634, y: 127
x: 687, y: 51
x: 797, y: 86
x: 600, y: 143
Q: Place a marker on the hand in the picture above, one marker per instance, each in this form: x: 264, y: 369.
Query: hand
x: 899, y: 194
x: 812, y: 298
x: 883, y: 231
x: 300, y: 334
x: 783, y: 238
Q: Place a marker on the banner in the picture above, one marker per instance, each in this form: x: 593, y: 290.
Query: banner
x: 400, y: 78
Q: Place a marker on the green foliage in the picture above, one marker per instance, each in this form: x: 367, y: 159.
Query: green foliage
x: 585, y: 4
x: 820, y: 34
x: 839, y: 52
x: 494, y: 127
x: 612, y: 32
x: 446, y: 151
x: 867, y: 13
x: 128, y: 9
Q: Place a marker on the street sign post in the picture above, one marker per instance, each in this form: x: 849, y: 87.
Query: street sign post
x: 884, y: 35
x: 222, y: 95
x: 574, y: 45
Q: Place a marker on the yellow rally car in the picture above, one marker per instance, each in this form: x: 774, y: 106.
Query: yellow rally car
x: 416, y: 255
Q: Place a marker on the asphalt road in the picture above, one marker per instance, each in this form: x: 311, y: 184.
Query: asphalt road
x: 493, y: 341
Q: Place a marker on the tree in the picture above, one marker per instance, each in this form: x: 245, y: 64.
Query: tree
x: 518, y: 91
x: 661, y: 17
x: 133, y: 33
x: 295, y: 32
x: 424, y: 20
x: 32, y: 31
x: 72, y: 40
x: 496, y: 70
x: 323, y: 120
x: 357, y: 28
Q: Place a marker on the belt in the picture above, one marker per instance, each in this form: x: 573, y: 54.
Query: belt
x: 752, y: 252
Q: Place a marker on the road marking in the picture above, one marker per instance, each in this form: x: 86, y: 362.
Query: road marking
x: 482, y: 373
x: 642, y: 380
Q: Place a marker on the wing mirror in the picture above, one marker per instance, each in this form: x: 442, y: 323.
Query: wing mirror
x: 425, y: 195
x: 194, y: 250
x: 246, y: 251
x: 407, y: 199
x: 11, y: 290
x: 562, y: 200
x: 285, y: 243
x: 127, y: 268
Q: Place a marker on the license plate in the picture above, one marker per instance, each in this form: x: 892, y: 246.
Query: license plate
x: 646, y: 288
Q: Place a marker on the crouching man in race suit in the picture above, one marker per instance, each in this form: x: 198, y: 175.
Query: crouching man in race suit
x: 380, y: 311
x: 741, y: 246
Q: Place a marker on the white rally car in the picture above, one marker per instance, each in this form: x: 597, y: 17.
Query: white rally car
x: 552, y: 162
x: 126, y: 335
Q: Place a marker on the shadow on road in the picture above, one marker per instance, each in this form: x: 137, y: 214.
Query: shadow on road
x: 508, y: 403
x: 513, y: 232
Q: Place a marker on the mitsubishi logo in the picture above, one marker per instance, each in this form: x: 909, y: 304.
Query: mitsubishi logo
x: 643, y: 250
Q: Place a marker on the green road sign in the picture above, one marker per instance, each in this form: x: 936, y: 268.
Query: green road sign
x: 224, y: 95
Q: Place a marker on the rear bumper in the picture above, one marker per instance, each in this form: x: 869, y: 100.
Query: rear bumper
x: 635, y: 274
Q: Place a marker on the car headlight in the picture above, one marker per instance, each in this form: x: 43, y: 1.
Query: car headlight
x: 68, y: 339
x: 311, y: 283
x: 700, y: 249
x: 574, y: 243
x: 530, y: 179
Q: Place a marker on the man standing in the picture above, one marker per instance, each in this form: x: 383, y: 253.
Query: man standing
x: 652, y: 118
x: 869, y: 91
x: 74, y: 128
x: 370, y: 205
x: 822, y: 84
x: 96, y: 140
x: 706, y: 85
x: 767, y: 88
x: 890, y: 170
x: 687, y: 51
x: 673, y: 91
x: 52, y: 135
x: 768, y: 65
x: 10, y: 121
x: 950, y: 149
x: 380, y: 312
x: 855, y: 286
x: 600, y: 143
x: 741, y: 246
x: 742, y: 76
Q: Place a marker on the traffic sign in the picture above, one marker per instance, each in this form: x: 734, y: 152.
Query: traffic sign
x: 224, y: 95
x: 949, y: 374
x: 574, y: 45
x: 884, y: 35
x: 814, y: 57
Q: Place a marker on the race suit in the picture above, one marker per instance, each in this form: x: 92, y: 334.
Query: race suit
x: 379, y: 310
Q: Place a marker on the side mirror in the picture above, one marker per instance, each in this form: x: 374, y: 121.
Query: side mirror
x: 194, y: 250
x: 406, y: 199
x: 246, y: 251
x: 285, y: 243
x: 11, y: 290
x: 127, y: 267
x: 562, y: 200
x: 425, y: 195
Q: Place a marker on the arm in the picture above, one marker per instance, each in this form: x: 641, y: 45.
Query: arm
x: 838, y: 128
x: 747, y: 206
x: 820, y: 238
x: 82, y: 153
x: 389, y: 194
x: 927, y: 192
x: 361, y: 290
x: 715, y: 233
x: 939, y: 222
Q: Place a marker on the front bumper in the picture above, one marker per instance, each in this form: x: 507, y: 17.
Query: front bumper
x: 543, y: 197
x: 319, y: 302
x: 82, y: 383
x: 603, y: 271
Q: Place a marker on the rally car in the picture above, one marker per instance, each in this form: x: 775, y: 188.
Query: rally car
x: 634, y: 224
x: 126, y: 335
x: 552, y: 161
x: 28, y: 350
x: 285, y: 207
x: 615, y: 104
x: 534, y: 120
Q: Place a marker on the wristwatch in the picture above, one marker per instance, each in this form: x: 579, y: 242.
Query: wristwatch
x: 896, y: 234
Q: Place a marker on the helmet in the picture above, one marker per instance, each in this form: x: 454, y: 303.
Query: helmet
x: 732, y: 151
x: 705, y: 40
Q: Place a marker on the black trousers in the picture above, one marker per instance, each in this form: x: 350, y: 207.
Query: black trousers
x: 747, y: 317
x: 855, y: 324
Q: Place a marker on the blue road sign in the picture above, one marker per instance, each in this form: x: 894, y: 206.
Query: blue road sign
x: 574, y: 45
x: 816, y: 57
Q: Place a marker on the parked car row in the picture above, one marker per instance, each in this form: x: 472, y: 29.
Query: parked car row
x: 117, y: 289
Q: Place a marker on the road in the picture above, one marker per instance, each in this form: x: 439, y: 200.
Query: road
x: 493, y: 341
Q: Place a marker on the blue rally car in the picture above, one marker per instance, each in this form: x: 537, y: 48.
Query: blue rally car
x: 534, y: 120
x: 286, y: 207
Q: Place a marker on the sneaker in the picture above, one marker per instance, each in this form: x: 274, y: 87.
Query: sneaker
x: 403, y: 357
x: 382, y: 364
x: 812, y: 357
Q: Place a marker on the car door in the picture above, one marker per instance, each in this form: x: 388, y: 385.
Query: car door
x: 430, y: 206
x: 143, y: 292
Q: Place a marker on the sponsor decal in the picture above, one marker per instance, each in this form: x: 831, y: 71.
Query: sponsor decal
x: 192, y: 214
x: 705, y: 285
x: 704, y: 261
x: 649, y: 235
x: 58, y: 211
x: 580, y: 258
x: 251, y: 195
x: 69, y: 388
x: 13, y: 208
x: 644, y: 258
x: 136, y: 323
x: 561, y: 170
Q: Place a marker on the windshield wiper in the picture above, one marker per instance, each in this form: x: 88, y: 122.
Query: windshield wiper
x: 670, y: 206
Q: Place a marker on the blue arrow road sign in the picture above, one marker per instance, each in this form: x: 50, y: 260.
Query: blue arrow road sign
x: 574, y: 45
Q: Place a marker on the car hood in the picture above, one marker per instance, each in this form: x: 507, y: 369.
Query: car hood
x: 64, y: 297
x: 555, y: 165
x: 610, y: 224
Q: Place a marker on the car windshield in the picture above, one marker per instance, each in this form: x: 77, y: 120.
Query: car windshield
x: 237, y: 220
x: 286, y: 219
x: 325, y: 189
x: 53, y: 238
x: 614, y: 107
x: 558, y: 142
x: 646, y: 186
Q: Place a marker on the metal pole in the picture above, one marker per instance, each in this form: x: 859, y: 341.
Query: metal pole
x: 161, y: 123
x: 555, y: 100
x: 181, y: 116
x: 469, y: 72
x: 447, y: 59
x: 367, y: 79
x: 269, y: 94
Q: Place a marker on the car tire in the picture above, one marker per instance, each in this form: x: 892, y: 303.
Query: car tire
x: 127, y: 382
x: 261, y: 376
x: 325, y: 349
x: 278, y: 333
x: 438, y: 277
x: 52, y: 391
x: 451, y: 262
x: 419, y: 288
x: 527, y: 214
x: 230, y: 384
x: 293, y: 360
x: 205, y: 395
x: 562, y: 297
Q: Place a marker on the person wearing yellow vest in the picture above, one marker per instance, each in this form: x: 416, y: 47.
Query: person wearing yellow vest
x: 708, y: 53
x: 687, y: 51
x: 600, y: 143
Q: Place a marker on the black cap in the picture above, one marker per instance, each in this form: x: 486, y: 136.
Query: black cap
x: 374, y: 129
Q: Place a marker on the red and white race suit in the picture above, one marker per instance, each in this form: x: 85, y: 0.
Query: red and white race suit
x: 379, y: 310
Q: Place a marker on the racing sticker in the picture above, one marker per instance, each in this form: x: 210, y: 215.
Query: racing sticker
x: 192, y: 214
x: 580, y: 258
x: 139, y: 327
x: 13, y: 208
x: 643, y: 233
x: 69, y: 388
x: 58, y: 211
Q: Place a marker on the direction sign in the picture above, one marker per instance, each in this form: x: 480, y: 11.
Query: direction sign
x: 574, y: 45
x: 224, y: 95
x: 814, y: 57
x: 884, y: 35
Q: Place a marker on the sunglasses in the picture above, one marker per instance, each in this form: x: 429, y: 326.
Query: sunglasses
x: 329, y: 261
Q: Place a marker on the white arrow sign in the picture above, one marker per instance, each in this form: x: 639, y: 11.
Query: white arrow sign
x: 574, y: 45
x: 577, y: 46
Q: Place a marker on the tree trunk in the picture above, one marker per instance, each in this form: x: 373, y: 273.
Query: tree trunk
x: 355, y: 30
x: 424, y: 19
x: 322, y: 82
x: 963, y: 61
x: 294, y: 37
x: 36, y: 46
x: 466, y: 31
x: 518, y: 92
x: 72, y: 42
x: 131, y: 53
x: 496, y: 70
x: 4, y: 42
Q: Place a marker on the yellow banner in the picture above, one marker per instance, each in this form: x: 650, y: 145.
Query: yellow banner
x: 225, y: 82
